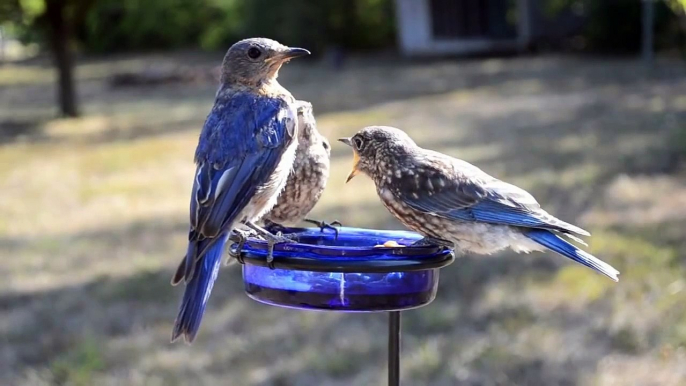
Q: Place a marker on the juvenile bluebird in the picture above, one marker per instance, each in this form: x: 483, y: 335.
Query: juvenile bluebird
x: 244, y: 155
x: 454, y: 203
x: 308, y: 179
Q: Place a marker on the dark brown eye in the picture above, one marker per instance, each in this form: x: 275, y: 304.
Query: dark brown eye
x: 254, y: 53
x: 358, y: 143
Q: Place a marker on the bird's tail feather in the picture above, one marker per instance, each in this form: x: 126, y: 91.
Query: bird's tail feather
x: 555, y: 243
x: 197, y: 293
x: 576, y: 239
x: 564, y: 227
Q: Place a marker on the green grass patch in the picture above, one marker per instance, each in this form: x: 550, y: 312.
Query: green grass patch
x: 143, y: 287
x: 131, y: 155
x: 439, y: 317
x: 425, y: 363
x: 79, y: 366
x: 338, y: 364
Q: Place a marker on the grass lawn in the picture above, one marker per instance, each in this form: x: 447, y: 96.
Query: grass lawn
x: 93, y: 220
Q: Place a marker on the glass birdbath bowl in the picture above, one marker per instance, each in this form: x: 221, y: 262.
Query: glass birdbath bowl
x: 353, y: 272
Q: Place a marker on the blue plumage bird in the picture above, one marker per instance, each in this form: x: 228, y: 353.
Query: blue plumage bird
x: 244, y: 155
x: 452, y: 202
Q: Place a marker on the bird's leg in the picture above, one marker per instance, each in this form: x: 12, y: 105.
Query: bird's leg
x: 323, y: 225
x: 273, y: 227
x: 433, y: 241
x: 272, y: 239
x: 239, y: 236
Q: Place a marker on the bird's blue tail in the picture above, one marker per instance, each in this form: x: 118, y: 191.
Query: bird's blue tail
x: 197, y: 292
x: 557, y: 244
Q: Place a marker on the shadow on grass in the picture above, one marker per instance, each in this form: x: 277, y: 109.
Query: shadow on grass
x: 15, y: 130
x: 492, y: 322
x: 111, y: 325
x: 371, y: 82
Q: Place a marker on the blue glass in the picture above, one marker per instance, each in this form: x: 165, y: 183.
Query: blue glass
x: 349, y: 273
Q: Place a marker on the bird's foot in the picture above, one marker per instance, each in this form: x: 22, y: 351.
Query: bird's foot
x: 273, y: 227
x: 239, y: 236
x: 433, y: 241
x: 323, y: 225
x: 272, y: 240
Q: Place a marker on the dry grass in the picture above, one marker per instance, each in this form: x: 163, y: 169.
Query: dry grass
x: 93, y: 220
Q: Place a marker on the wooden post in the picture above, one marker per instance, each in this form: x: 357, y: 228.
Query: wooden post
x: 648, y: 21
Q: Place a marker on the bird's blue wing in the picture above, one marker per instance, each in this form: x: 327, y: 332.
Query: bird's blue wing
x: 443, y: 192
x: 240, y: 146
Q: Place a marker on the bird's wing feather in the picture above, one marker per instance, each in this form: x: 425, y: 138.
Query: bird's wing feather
x: 449, y: 190
x: 240, y: 146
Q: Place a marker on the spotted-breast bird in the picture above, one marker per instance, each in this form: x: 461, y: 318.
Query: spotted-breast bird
x: 454, y: 203
x: 308, y: 179
x: 244, y: 155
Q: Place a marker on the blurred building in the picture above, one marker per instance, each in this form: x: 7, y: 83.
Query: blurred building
x: 437, y: 27
x: 454, y: 27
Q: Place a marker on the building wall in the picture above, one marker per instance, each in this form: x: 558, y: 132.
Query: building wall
x: 415, y: 32
x: 414, y: 25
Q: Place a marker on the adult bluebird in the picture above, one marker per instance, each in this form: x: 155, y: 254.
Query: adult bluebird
x: 244, y: 155
x: 454, y: 203
x: 308, y: 179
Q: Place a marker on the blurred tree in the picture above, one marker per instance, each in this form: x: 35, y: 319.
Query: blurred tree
x: 126, y: 25
x: 223, y: 27
x: 121, y: 25
x: 318, y: 24
x: 679, y: 7
x: 615, y: 26
x: 56, y: 20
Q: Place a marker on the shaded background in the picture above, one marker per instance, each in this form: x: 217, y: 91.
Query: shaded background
x: 101, y: 103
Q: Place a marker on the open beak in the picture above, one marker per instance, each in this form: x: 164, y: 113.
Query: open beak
x: 356, y: 159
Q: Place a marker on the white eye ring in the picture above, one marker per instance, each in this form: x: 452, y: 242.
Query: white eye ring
x: 358, y: 143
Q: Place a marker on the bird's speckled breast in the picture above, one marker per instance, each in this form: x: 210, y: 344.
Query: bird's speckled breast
x: 306, y: 182
x: 302, y: 192
x: 422, y: 223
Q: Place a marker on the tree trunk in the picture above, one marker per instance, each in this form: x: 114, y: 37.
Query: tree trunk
x: 59, y: 35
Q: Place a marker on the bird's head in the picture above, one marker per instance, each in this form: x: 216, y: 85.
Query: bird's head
x: 378, y: 149
x: 307, y: 128
x: 251, y: 62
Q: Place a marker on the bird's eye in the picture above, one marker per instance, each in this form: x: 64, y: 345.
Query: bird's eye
x: 358, y: 143
x: 254, y: 53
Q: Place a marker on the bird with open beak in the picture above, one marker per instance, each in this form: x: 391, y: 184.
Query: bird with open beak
x: 452, y: 202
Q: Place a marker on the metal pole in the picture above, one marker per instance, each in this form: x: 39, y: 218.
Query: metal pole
x: 394, y: 348
x: 648, y: 21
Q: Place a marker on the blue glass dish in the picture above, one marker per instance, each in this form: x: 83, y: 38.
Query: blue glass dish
x: 348, y: 273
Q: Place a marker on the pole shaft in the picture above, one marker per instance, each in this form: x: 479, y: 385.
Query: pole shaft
x: 394, y: 348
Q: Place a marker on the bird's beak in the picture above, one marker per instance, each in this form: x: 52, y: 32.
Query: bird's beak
x: 293, y: 52
x: 356, y: 159
x: 346, y: 141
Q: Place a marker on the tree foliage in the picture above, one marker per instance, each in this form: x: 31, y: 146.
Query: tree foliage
x: 616, y: 25
x: 125, y: 25
x: 355, y: 24
x: 116, y: 25
x: 677, y: 5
